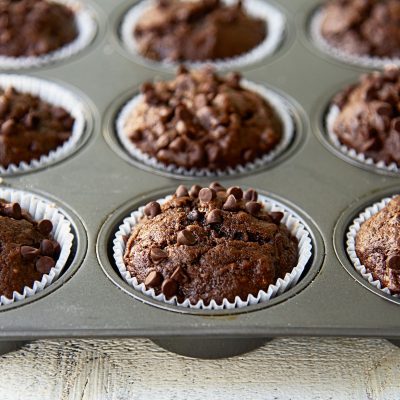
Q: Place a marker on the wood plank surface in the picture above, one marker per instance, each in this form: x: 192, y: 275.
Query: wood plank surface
x: 286, y: 368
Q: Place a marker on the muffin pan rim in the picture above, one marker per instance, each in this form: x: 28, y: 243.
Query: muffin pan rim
x: 110, y: 226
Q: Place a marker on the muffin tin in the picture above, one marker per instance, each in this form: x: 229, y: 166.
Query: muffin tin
x: 97, y: 186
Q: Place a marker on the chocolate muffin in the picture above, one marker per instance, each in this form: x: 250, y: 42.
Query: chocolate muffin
x: 34, y: 27
x: 363, y: 27
x: 27, y: 249
x: 30, y: 127
x: 208, y: 244
x: 179, y: 30
x: 202, y: 120
x: 378, y: 245
x: 369, y: 118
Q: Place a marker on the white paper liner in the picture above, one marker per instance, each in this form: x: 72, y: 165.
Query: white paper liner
x: 41, y: 209
x: 57, y: 96
x: 326, y: 47
x: 274, y: 19
x: 291, y: 220
x: 277, y: 103
x: 351, y: 243
x: 86, y: 27
x: 351, y: 153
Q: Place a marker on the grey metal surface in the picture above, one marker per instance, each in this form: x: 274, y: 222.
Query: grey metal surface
x: 97, y: 184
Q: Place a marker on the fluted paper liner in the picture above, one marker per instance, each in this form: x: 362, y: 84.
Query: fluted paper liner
x: 333, y: 113
x: 274, y: 19
x: 292, y: 221
x: 62, y: 233
x: 277, y: 102
x: 341, y: 55
x: 86, y: 27
x: 351, y: 243
x: 55, y: 95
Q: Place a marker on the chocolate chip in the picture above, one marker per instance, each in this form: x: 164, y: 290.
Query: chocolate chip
x: 29, y: 253
x: 194, y: 191
x: 250, y: 195
x: 235, y: 191
x: 181, y: 191
x: 57, y: 248
x: 253, y: 207
x: 136, y: 135
x: 169, y: 288
x: 12, y: 210
x: 214, y: 217
x: 217, y: 187
x: 152, y: 209
x: 194, y: 215
x: 181, y: 70
x: 44, y: 264
x: 186, y: 237
x: 157, y: 255
x: 393, y: 261
x: 230, y: 203
x: 45, y: 226
x: 179, y: 275
x: 396, y: 124
x: 8, y: 127
x: 276, y: 217
x: 47, y: 247
x: 153, y: 279
x: 206, y: 195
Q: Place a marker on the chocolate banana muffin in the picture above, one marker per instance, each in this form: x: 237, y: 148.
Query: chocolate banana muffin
x: 202, y: 120
x: 209, y: 244
x: 27, y: 250
x: 30, y: 127
x: 199, y: 30
x: 369, y: 118
x: 378, y: 245
x: 34, y: 27
x: 363, y: 27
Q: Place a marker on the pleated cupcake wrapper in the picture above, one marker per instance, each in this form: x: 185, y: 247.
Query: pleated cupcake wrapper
x: 57, y: 96
x: 277, y: 103
x: 333, y: 113
x: 326, y: 47
x: 351, y: 243
x: 86, y: 27
x: 274, y: 19
x: 62, y: 233
x: 294, y: 224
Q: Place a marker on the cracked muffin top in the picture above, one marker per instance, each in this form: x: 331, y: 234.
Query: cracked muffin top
x: 210, y: 243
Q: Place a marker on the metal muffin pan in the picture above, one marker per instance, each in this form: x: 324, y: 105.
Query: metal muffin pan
x: 98, y: 187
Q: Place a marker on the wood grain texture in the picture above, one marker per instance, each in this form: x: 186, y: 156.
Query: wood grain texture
x: 295, y: 368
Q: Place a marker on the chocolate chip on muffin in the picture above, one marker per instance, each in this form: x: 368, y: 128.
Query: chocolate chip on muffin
x: 369, y: 118
x: 378, y: 245
x: 210, y: 245
x: 363, y: 27
x: 197, y: 30
x: 30, y: 127
x: 34, y: 27
x: 27, y: 249
x: 202, y: 120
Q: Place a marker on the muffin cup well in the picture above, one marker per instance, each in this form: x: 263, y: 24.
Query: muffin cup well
x: 331, y: 116
x: 55, y: 95
x: 274, y: 19
x: 87, y: 28
x: 326, y: 47
x: 351, y: 243
x: 294, y: 224
x: 62, y: 233
x: 277, y: 103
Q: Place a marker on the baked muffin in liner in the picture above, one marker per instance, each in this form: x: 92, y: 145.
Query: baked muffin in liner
x: 55, y: 95
x: 86, y: 26
x: 277, y: 102
x: 40, y: 209
x: 296, y: 227
x: 351, y: 243
x: 273, y: 17
x: 341, y: 55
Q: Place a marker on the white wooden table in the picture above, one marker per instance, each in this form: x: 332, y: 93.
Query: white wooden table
x: 295, y: 368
